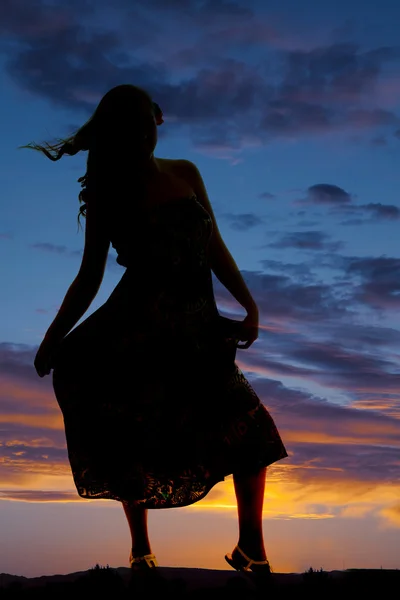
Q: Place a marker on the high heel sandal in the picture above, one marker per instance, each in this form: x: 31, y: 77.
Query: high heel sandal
x: 142, y: 563
x: 145, y: 578
x: 245, y: 563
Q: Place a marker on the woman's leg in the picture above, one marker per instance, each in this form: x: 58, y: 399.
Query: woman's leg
x: 137, y: 521
x: 249, y: 490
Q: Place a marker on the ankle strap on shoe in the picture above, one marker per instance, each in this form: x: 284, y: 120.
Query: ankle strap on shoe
x: 149, y: 559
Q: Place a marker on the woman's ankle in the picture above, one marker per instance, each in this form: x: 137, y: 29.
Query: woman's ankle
x: 254, y: 549
x: 140, y: 550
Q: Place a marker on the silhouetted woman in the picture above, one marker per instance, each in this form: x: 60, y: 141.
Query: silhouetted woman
x: 156, y: 411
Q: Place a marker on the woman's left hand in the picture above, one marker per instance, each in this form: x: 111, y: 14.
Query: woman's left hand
x: 249, y: 330
x: 44, y: 357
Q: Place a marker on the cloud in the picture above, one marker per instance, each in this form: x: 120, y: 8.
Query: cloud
x: 334, y: 74
x: 39, y: 496
x: 336, y: 366
x: 311, y: 333
x: 63, y: 250
x: 346, y: 374
x: 203, y: 10
x: 367, y: 214
x: 305, y: 417
x: 306, y: 240
x: 284, y: 299
x: 32, y: 439
x: 300, y: 271
x: 379, y: 279
x: 370, y: 283
x: 47, y: 247
x: 382, y: 211
x: 340, y: 202
x: 34, y: 18
x: 317, y: 431
x: 326, y: 193
x: 60, y: 54
x: 243, y: 222
x: 17, y: 360
x: 307, y: 337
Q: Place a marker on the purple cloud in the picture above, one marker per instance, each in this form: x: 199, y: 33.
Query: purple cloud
x: 382, y: 211
x: 280, y: 297
x: 326, y: 193
x: 344, y: 436
x: 340, y: 202
x: 306, y: 240
x: 379, y: 278
x: 304, y: 91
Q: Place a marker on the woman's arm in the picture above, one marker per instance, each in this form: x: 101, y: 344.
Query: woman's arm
x: 221, y: 260
x: 227, y: 272
x: 77, y: 300
x: 86, y: 284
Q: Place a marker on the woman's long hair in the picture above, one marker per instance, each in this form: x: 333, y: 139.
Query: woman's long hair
x: 105, y: 136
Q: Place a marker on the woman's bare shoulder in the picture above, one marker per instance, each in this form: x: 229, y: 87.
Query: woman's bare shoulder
x: 174, y: 163
x: 180, y: 168
x: 178, y: 178
x: 185, y: 169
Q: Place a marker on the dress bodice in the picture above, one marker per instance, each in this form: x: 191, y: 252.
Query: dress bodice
x: 165, y: 236
x: 165, y: 252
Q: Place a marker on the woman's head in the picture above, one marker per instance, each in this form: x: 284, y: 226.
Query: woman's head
x: 121, y: 132
x: 127, y: 116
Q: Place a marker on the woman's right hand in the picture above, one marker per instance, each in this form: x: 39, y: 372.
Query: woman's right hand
x: 44, y: 356
x: 249, y: 329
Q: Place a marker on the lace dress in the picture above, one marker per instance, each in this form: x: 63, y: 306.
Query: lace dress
x: 155, y: 408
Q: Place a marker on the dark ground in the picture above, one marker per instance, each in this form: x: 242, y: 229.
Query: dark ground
x: 106, y: 582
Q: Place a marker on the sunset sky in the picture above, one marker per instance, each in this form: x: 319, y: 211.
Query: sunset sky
x: 291, y: 111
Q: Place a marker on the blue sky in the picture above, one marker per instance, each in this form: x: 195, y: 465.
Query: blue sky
x: 291, y: 112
